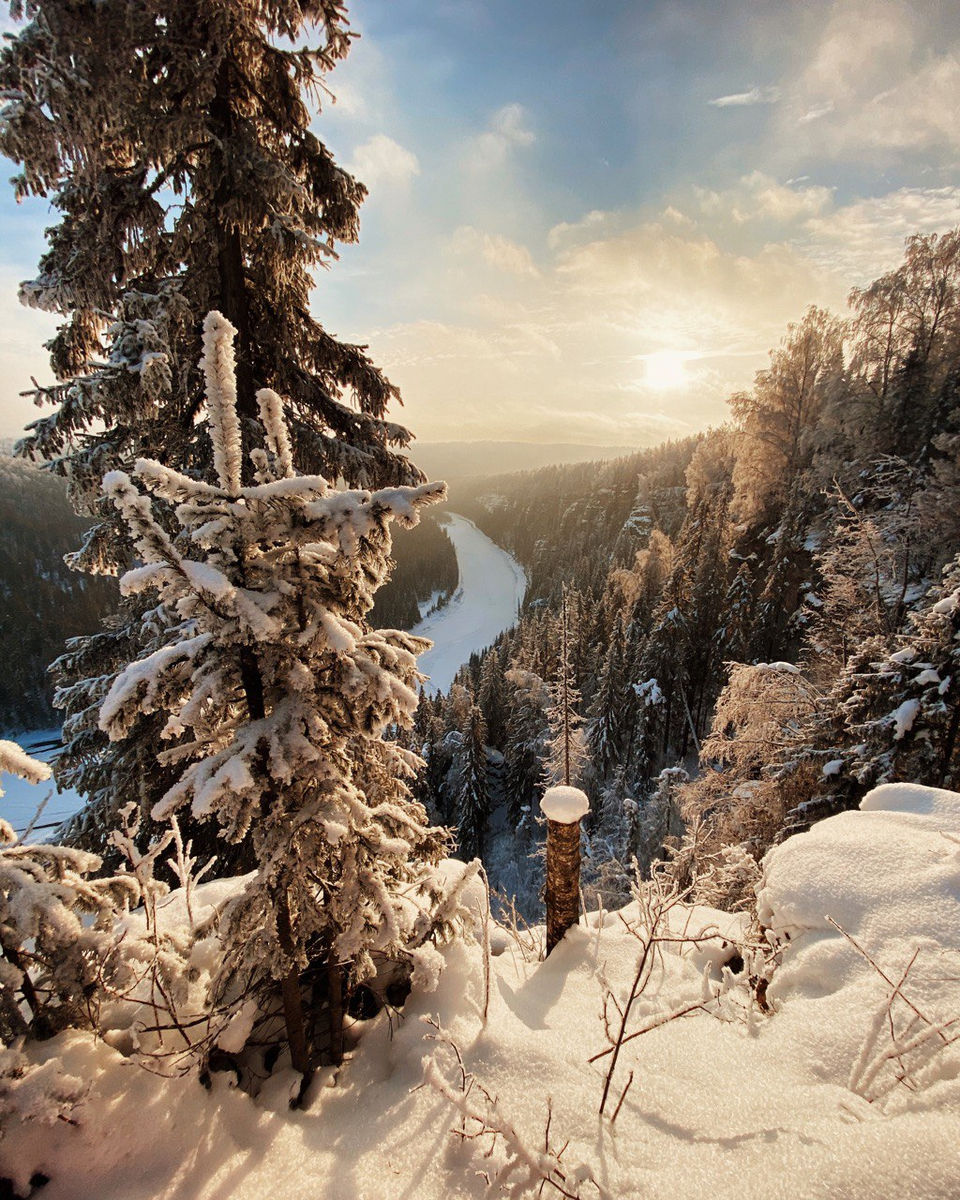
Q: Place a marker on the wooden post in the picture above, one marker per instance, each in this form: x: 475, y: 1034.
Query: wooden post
x: 563, y: 807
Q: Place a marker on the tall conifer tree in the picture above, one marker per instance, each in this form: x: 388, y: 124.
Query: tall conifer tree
x: 174, y: 143
x: 275, y: 697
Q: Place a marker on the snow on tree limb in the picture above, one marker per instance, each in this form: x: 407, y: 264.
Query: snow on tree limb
x: 219, y: 369
x: 16, y: 761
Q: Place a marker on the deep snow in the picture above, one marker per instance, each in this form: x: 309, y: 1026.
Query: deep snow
x: 729, y: 1102
x: 488, y: 595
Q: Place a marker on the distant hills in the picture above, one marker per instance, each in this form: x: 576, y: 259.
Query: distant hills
x: 464, y: 460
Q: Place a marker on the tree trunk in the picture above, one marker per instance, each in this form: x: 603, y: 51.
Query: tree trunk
x: 252, y: 680
x: 292, y: 1000
x: 563, y: 879
x: 234, y: 298
x: 335, y: 1002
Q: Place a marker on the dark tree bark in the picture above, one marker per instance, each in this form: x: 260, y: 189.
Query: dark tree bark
x: 563, y: 879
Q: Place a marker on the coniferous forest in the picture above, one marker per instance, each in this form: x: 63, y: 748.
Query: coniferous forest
x: 658, y: 898
x: 748, y: 607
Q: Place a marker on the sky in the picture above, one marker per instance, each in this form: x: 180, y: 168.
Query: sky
x: 591, y: 221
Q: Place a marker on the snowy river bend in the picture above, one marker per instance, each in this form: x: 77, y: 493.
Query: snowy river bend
x: 490, y: 591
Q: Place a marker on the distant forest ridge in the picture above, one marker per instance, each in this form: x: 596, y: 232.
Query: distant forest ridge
x: 468, y: 460
x: 42, y: 601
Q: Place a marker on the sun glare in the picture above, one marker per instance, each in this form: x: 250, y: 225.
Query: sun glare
x: 665, y: 369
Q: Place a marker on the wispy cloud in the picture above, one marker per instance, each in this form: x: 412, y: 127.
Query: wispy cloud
x: 815, y: 113
x: 508, y: 130
x: 381, y: 160
x: 495, y: 250
x: 756, y: 95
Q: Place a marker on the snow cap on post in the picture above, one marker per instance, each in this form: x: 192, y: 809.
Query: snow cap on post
x: 566, y: 805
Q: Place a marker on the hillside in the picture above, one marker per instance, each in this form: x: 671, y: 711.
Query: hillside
x: 42, y: 602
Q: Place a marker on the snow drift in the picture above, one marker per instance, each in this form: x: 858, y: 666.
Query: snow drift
x: 818, y: 1095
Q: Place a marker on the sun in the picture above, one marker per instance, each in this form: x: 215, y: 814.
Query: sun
x: 665, y: 369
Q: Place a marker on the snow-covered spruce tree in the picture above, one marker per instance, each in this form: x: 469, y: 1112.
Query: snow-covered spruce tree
x: 610, y: 710
x: 892, y: 715
x: 275, y: 697
x: 526, y: 730
x: 656, y: 826
x: 472, y: 796
x: 567, y: 754
x: 174, y: 142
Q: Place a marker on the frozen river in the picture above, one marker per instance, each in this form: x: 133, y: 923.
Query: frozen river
x: 489, y: 593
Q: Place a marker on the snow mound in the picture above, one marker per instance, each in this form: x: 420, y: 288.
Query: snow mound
x: 564, y: 804
x: 866, y: 909
x: 804, y: 1100
x: 886, y: 874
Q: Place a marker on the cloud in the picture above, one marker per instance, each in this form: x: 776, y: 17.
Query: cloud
x: 561, y: 352
x: 571, y: 232
x: 507, y: 130
x: 759, y: 197
x: 557, y: 348
x: 863, y: 239
x: 382, y: 161
x: 882, y: 81
x: 756, y: 95
x: 493, y: 249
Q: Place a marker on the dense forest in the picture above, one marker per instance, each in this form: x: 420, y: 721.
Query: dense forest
x: 424, y: 575
x: 43, y: 601
x: 761, y: 617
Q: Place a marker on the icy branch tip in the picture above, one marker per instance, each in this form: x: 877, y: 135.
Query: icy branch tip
x: 564, y: 804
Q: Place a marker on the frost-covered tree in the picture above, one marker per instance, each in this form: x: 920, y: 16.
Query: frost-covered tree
x: 57, y: 940
x: 733, y: 797
x: 274, y: 696
x: 905, y: 337
x: 892, y: 715
x: 174, y: 143
x: 778, y: 418
x: 733, y: 635
x: 872, y: 566
x: 471, y: 774
x: 567, y: 752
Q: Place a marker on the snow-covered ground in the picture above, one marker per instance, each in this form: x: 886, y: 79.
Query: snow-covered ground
x: 820, y: 1096
x: 20, y: 800
x: 489, y: 593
